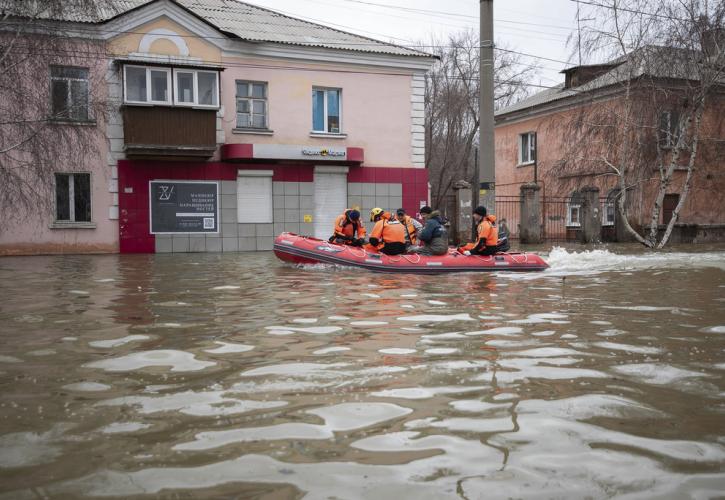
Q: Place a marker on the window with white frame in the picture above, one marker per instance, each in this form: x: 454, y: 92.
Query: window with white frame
x: 73, y: 197
x: 609, y: 210
x: 669, y: 130
x: 327, y: 110
x: 254, y: 196
x: 527, y: 148
x: 147, y: 85
x: 251, y: 104
x: 196, y: 88
x: 69, y: 93
x: 574, y: 210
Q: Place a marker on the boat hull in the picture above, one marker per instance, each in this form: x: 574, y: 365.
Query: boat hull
x: 297, y: 249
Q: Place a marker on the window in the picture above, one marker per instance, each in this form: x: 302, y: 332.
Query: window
x: 196, y: 88
x: 573, y: 210
x: 669, y: 131
x: 527, y: 148
x: 326, y: 111
x: 609, y: 210
x: 251, y: 104
x: 669, y: 203
x: 254, y: 196
x: 73, y: 197
x: 147, y: 85
x: 69, y: 93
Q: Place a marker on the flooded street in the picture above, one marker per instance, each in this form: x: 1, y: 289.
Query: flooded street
x: 238, y: 376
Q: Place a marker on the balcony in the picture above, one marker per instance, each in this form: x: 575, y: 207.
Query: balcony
x: 160, y: 132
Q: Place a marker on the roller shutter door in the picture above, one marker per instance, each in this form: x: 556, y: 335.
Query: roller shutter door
x: 330, y: 198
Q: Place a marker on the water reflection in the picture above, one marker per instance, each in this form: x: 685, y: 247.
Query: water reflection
x: 215, y: 375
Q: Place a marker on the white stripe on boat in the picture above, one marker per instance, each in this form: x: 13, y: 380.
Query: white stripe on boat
x: 434, y: 263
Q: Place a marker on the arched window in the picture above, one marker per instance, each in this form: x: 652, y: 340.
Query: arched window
x: 609, y: 209
x: 574, y: 209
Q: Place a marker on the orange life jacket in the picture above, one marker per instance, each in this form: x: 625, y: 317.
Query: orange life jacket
x: 412, y: 231
x: 388, y: 231
x: 487, y: 233
x: 347, y: 228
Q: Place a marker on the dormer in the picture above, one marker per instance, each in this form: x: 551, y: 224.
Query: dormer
x: 579, y: 75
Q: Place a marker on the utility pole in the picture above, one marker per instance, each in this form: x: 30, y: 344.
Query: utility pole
x: 486, y: 155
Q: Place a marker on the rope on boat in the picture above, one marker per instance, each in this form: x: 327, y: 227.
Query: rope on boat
x: 526, y: 258
x: 416, y: 255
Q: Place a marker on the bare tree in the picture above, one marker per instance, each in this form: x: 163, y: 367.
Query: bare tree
x: 52, y: 101
x: 643, y: 121
x: 451, y: 107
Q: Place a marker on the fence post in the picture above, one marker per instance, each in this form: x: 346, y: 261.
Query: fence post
x: 530, y: 231
x: 463, y: 218
x: 591, y: 229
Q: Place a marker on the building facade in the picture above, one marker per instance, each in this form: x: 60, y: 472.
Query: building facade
x: 535, y: 143
x: 229, y: 124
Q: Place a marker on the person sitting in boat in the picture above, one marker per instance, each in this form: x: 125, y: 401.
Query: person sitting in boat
x: 487, y: 243
x: 434, y: 235
x: 388, y: 235
x: 412, y: 227
x: 348, y: 230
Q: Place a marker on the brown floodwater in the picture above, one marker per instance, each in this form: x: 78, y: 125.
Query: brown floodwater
x: 239, y: 376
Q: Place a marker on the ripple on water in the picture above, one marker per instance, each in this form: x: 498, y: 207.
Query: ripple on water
x: 314, y: 330
x: 200, y: 404
x: 433, y: 318
x: 628, y: 348
x: 501, y: 330
x: 328, y: 350
x: 87, y: 387
x: 179, y: 361
x: 397, y: 350
x: 714, y: 329
x: 343, y: 417
x: 425, y: 392
x: 123, y: 427
x: 656, y: 373
x: 107, y: 344
x: 229, y: 347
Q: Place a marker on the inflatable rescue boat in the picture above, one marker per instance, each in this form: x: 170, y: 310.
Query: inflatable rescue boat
x: 297, y: 249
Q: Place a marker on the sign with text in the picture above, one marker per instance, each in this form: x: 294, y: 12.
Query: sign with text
x: 184, y: 207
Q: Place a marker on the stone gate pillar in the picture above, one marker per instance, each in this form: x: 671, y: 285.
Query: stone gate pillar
x: 591, y: 217
x: 461, y: 230
x: 530, y: 230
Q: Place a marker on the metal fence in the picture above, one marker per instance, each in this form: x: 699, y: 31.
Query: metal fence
x: 508, y: 213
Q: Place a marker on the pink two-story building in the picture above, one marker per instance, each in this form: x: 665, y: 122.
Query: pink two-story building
x: 231, y: 123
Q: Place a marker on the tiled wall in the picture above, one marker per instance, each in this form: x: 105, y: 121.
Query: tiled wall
x: 292, y: 201
x: 293, y: 198
x: 368, y: 195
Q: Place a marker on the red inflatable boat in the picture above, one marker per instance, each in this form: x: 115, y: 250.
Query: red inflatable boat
x: 291, y: 247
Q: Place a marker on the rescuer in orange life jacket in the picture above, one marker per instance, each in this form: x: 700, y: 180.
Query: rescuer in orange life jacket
x: 487, y: 243
x: 388, y: 235
x: 411, y: 226
x: 348, y: 230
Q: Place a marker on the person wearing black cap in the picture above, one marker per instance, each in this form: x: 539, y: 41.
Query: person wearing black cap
x: 434, y: 235
x: 487, y: 243
x: 348, y: 229
x: 412, y: 227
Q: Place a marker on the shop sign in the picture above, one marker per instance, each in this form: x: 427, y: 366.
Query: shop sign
x: 184, y: 207
x: 299, y: 152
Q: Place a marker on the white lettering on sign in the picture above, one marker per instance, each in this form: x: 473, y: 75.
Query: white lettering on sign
x: 323, y: 152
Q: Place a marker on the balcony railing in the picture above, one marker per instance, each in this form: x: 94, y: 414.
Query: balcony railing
x: 169, y: 132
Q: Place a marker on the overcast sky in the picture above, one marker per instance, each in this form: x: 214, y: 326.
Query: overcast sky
x: 537, y: 27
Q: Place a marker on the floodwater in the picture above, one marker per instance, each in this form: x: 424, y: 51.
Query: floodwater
x: 238, y: 376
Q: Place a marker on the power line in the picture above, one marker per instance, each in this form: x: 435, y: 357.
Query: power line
x: 631, y: 11
x: 98, y: 56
